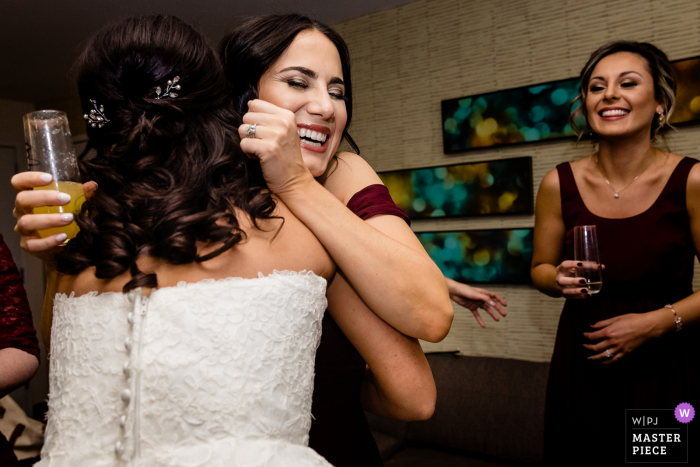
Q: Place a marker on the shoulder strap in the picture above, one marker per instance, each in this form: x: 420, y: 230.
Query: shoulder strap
x: 567, y: 184
x: 374, y: 200
x: 676, y: 186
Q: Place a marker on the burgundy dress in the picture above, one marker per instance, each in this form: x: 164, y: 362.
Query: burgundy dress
x: 649, y: 263
x: 339, y: 430
x: 16, y: 328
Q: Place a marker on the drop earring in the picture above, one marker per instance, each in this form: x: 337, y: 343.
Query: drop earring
x: 661, y: 118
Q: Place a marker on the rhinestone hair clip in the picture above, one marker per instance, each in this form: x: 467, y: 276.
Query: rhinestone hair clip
x: 172, y: 85
x: 96, y: 117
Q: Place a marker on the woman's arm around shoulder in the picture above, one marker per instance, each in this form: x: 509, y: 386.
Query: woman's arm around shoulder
x: 399, y: 383
x: 381, y: 257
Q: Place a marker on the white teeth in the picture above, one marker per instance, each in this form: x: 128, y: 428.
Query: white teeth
x: 313, y: 135
x: 611, y: 113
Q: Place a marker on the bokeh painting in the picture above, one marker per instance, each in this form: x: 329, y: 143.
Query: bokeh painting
x: 533, y: 113
x: 541, y: 112
x: 483, y: 188
x: 688, y: 93
x: 501, y: 256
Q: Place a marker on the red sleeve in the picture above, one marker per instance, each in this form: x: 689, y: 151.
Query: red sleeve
x: 16, y: 327
x: 375, y: 200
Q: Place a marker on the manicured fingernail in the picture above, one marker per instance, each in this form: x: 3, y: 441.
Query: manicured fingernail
x: 61, y: 237
x: 67, y: 217
x: 45, y: 178
x: 582, y: 281
x: 584, y: 290
x: 579, y: 264
x: 63, y: 197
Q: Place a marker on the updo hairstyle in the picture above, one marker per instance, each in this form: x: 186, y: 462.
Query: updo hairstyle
x: 170, y: 170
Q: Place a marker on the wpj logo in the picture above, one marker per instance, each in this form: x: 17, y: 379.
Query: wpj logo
x: 657, y: 435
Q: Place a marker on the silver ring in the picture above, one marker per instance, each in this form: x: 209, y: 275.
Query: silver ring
x: 607, y: 353
x: 250, y: 132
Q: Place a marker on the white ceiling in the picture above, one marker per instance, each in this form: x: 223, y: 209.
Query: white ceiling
x: 39, y: 39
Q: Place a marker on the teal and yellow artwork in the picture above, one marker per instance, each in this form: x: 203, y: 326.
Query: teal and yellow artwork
x: 494, y: 187
x: 499, y: 256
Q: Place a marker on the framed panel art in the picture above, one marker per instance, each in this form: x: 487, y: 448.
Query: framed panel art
x: 526, y: 114
x: 541, y: 112
x: 480, y: 188
x: 500, y: 256
x: 688, y: 92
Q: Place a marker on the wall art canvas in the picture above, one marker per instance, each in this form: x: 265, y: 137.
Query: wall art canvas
x: 481, y: 188
x: 541, y: 112
x: 533, y: 113
x: 688, y: 92
x: 501, y: 256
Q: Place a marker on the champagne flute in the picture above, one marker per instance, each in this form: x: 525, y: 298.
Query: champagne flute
x: 50, y: 149
x: 586, y: 252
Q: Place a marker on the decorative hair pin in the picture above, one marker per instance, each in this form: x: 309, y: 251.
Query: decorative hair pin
x: 172, y: 84
x: 96, y: 117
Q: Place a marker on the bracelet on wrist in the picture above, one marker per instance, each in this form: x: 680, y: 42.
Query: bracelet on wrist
x: 676, y: 318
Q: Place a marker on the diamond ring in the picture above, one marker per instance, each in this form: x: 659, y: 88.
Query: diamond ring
x: 607, y: 353
x: 250, y: 132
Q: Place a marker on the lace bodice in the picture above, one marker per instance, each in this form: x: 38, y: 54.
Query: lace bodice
x: 212, y: 373
x: 16, y: 328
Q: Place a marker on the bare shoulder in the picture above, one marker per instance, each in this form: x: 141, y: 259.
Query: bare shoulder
x: 550, y: 183
x: 347, y: 174
x: 549, y: 196
x: 286, y: 243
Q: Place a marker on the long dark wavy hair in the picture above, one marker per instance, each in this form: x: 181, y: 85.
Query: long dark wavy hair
x: 256, y: 44
x: 170, y: 171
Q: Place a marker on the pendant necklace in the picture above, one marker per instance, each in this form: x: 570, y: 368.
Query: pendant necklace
x: 616, y: 193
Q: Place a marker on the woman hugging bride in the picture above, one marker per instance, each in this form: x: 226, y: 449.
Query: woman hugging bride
x: 175, y: 340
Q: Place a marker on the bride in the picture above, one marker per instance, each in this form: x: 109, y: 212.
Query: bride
x: 175, y: 340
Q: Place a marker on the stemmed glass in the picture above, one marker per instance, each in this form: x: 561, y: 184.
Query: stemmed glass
x: 586, y: 252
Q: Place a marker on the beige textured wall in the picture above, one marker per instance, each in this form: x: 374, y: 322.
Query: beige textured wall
x: 407, y: 59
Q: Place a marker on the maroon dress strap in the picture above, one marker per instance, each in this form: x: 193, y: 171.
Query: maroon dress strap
x: 572, y: 205
x: 375, y: 200
x: 16, y: 327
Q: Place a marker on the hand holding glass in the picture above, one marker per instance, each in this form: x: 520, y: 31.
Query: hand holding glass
x: 50, y: 149
x: 586, y: 252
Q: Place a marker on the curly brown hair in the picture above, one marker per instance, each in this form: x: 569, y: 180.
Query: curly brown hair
x: 170, y: 171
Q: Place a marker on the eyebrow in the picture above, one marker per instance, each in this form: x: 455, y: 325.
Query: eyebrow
x: 312, y: 74
x: 621, y: 75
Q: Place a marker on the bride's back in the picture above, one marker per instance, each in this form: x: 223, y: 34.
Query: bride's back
x: 270, y: 248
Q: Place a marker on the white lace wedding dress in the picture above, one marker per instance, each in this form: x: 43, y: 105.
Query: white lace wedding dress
x: 214, y: 373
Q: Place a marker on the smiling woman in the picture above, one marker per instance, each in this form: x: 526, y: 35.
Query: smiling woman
x: 290, y: 75
x: 645, y: 203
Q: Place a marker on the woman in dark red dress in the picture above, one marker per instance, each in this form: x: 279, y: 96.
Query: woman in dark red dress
x: 19, y: 349
x: 618, y: 349
x: 277, y: 64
